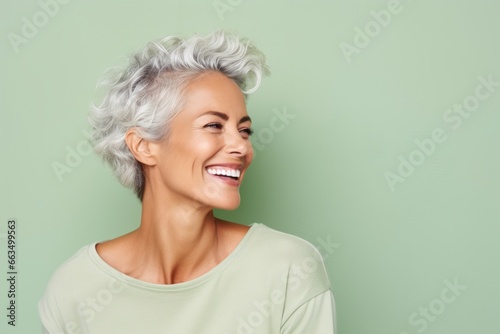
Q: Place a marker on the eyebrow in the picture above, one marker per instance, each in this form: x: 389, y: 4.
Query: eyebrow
x: 225, y: 116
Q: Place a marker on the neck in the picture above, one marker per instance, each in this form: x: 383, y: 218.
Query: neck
x: 175, y: 242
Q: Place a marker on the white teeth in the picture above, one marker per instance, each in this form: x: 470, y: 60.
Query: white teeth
x: 226, y: 172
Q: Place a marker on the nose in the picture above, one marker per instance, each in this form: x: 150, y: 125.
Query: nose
x: 236, y: 144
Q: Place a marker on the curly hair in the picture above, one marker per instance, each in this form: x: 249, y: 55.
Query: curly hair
x: 149, y: 92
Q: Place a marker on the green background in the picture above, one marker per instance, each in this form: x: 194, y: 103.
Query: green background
x: 322, y: 176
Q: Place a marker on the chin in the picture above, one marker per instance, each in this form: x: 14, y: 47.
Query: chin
x: 221, y: 198
x: 228, y: 203
x: 230, y: 207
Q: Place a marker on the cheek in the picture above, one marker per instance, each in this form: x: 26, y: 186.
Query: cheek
x: 204, y: 146
x: 250, y: 154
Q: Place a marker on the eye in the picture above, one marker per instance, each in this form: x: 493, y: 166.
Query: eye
x: 215, y: 125
x: 246, y: 132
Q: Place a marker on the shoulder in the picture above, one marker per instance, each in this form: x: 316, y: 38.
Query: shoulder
x: 293, y: 261
x: 284, y: 244
x: 80, y: 280
x: 81, y: 274
x: 63, y: 282
x: 74, y: 266
x: 279, y: 251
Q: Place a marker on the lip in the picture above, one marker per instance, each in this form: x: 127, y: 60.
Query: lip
x: 226, y: 180
x: 226, y: 165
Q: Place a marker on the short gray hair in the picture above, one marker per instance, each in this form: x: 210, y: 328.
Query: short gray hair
x: 149, y: 92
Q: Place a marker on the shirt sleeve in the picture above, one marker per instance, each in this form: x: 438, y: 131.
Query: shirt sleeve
x: 317, y: 316
x: 49, y: 324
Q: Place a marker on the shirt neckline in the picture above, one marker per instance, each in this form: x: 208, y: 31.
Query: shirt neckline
x: 116, y: 274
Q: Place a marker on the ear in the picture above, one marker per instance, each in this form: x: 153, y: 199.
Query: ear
x: 142, y: 149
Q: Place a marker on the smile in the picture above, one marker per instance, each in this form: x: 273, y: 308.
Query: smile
x: 227, y: 172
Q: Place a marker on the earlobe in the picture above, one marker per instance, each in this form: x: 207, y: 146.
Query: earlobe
x: 139, y: 147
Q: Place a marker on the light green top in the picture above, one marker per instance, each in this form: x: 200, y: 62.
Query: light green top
x: 271, y: 283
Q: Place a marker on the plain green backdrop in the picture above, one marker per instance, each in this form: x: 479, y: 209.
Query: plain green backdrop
x: 385, y: 157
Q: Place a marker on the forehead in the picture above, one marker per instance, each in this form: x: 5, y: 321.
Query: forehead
x: 213, y: 91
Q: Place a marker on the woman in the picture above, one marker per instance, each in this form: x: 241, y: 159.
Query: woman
x: 174, y: 127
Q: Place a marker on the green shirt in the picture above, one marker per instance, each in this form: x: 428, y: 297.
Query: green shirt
x: 271, y: 283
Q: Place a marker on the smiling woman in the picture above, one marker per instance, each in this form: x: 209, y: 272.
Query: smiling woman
x: 174, y: 128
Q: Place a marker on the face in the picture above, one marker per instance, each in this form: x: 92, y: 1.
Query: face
x: 208, y: 150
